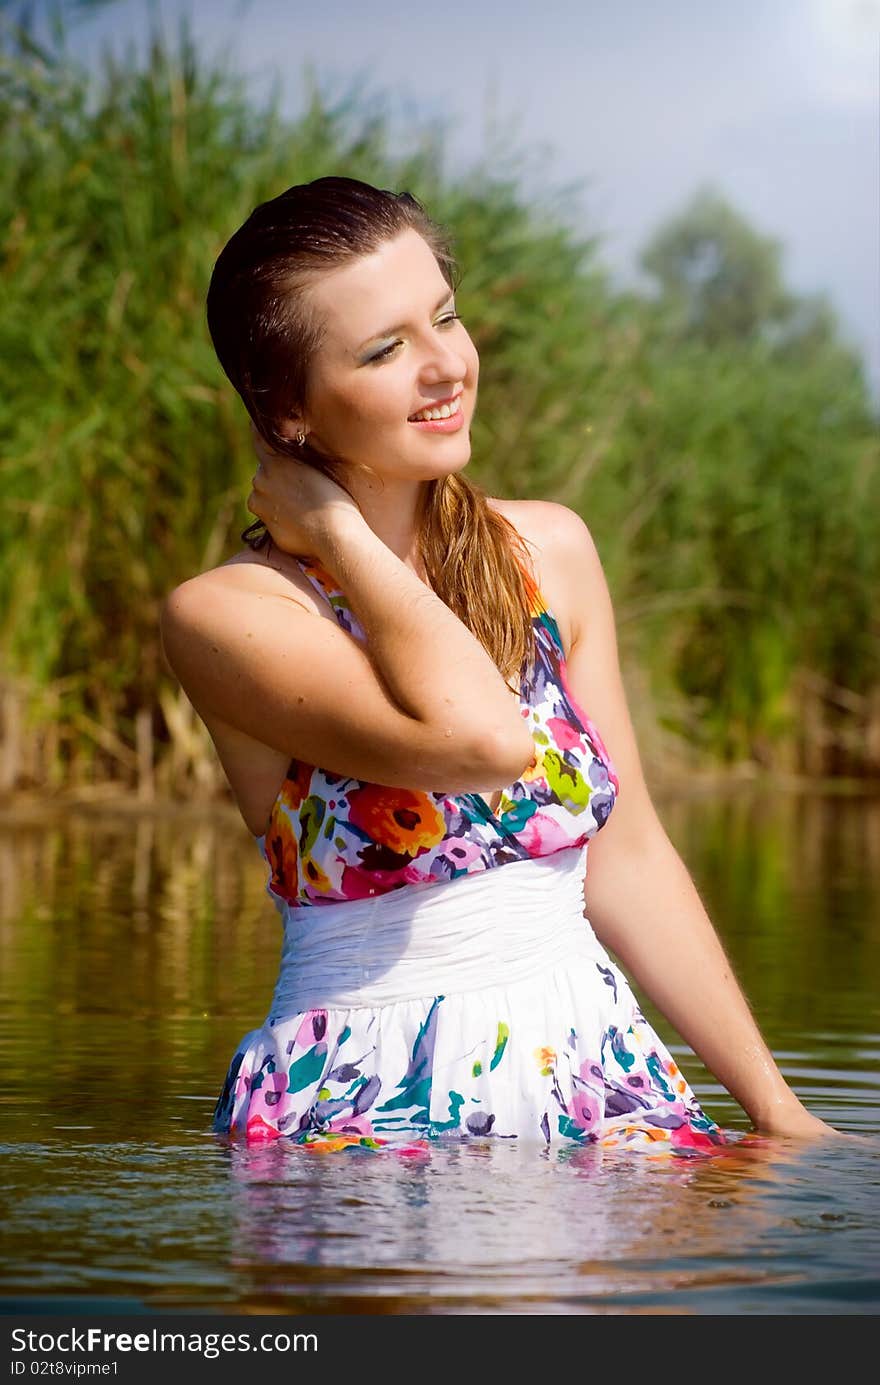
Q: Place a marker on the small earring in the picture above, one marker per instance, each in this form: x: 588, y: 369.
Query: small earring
x: 300, y: 438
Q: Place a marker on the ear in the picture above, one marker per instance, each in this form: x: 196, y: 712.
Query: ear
x: 292, y: 425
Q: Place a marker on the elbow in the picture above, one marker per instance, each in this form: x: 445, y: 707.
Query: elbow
x: 509, y: 755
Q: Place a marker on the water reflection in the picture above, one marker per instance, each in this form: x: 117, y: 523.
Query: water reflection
x: 499, y: 1220
x: 135, y: 952
x: 501, y: 1228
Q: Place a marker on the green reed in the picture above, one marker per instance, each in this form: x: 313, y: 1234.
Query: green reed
x: 729, y: 473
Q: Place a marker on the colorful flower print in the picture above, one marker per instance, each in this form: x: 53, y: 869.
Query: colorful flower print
x: 332, y: 839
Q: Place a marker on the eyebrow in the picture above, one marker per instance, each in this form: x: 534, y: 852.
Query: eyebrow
x: 399, y: 327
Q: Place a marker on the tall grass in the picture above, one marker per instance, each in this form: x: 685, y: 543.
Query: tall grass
x: 733, y: 491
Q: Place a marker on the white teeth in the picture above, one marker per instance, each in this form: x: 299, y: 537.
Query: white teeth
x: 444, y: 411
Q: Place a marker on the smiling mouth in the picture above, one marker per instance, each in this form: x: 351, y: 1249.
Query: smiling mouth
x: 438, y: 411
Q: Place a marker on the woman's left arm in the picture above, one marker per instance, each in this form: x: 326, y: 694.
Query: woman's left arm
x: 638, y: 894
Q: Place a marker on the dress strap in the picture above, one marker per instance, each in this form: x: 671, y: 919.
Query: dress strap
x: 325, y: 585
x: 542, y: 617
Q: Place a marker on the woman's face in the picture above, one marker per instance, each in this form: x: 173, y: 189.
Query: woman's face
x: 391, y: 349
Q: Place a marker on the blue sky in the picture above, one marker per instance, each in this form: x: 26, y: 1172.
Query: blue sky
x: 776, y: 102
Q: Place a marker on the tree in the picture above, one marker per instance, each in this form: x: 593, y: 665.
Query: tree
x: 719, y: 279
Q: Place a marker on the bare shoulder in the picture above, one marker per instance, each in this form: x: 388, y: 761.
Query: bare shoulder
x: 247, y: 574
x: 243, y: 615
x: 567, y: 564
x: 547, y: 521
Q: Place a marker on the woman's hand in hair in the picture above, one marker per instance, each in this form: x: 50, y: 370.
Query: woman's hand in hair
x: 298, y: 503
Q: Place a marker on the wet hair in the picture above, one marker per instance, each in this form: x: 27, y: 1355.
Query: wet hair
x: 266, y: 334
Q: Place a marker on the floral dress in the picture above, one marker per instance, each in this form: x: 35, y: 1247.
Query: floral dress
x: 438, y: 979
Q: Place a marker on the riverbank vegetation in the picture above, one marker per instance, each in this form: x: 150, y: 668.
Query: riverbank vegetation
x: 715, y: 432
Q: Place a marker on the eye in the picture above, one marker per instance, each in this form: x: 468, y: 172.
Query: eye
x: 387, y: 351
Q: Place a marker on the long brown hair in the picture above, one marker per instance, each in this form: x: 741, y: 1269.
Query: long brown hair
x: 266, y: 336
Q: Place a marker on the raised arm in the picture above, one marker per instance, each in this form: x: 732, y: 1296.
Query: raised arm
x: 638, y: 894
x: 423, y: 708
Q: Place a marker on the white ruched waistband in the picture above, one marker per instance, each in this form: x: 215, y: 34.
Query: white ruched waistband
x: 491, y: 928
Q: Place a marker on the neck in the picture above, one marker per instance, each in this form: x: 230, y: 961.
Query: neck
x: 392, y: 508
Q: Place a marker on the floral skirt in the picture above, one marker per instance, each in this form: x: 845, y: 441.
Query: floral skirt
x: 481, y: 1008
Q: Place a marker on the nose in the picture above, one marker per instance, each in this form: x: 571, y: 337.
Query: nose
x: 444, y: 362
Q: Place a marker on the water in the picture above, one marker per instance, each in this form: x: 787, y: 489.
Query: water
x: 136, y: 951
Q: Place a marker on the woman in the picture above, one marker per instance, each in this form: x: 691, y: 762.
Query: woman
x: 394, y: 673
